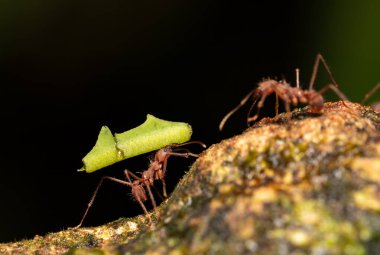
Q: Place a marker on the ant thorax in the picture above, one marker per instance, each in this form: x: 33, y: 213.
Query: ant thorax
x: 267, y: 84
x: 154, y: 166
x: 148, y: 176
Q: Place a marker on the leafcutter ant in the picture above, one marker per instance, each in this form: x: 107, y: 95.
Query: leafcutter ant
x: 157, y: 166
x: 155, y: 171
x: 288, y: 94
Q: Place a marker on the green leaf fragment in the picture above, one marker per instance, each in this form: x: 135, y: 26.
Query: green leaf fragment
x: 103, y: 154
x: 152, y: 135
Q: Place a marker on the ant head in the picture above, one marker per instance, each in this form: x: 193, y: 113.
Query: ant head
x: 162, y: 154
x: 154, y: 165
x: 316, y: 102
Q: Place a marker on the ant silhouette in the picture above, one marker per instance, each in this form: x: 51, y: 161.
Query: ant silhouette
x: 155, y: 171
x: 288, y: 94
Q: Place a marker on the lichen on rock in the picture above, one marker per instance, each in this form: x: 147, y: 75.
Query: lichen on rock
x: 299, y: 183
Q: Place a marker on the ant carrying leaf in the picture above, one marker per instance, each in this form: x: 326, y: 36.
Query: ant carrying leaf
x: 153, y: 134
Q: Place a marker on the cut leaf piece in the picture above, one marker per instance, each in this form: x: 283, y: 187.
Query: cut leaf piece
x: 152, y: 135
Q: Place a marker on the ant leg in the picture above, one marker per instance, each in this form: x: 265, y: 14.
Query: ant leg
x: 276, y: 104
x: 186, y: 154
x: 315, y: 70
x: 162, y: 179
x: 228, y: 115
x: 127, y: 173
x: 96, y: 192
x: 144, y: 208
x: 164, y: 188
x: 158, y: 193
x: 259, y: 106
x: 151, y: 197
x: 373, y: 90
x: 287, y: 107
x: 335, y: 89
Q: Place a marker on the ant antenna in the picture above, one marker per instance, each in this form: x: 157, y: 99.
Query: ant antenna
x: 298, y: 78
x: 315, y: 70
x: 182, y: 152
x: 369, y: 94
x: 242, y: 102
x: 191, y: 142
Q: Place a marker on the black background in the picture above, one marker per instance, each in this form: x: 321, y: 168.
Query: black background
x: 69, y: 67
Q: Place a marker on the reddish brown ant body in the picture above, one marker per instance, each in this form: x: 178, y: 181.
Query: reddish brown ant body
x: 288, y: 94
x: 155, y: 171
x: 157, y: 166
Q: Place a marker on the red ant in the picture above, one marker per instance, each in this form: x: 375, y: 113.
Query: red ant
x: 288, y: 94
x: 157, y: 166
x: 155, y: 171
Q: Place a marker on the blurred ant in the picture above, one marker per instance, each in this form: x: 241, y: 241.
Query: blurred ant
x: 155, y: 171
x: 288, y: 94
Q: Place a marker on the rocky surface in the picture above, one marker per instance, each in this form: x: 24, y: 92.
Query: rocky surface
x: 295, y: 184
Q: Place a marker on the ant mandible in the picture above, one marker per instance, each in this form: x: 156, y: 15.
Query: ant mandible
x: 288, y: 94
x: 155, y: 171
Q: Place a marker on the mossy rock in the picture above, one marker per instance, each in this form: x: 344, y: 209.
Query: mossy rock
x: 299, y: 183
